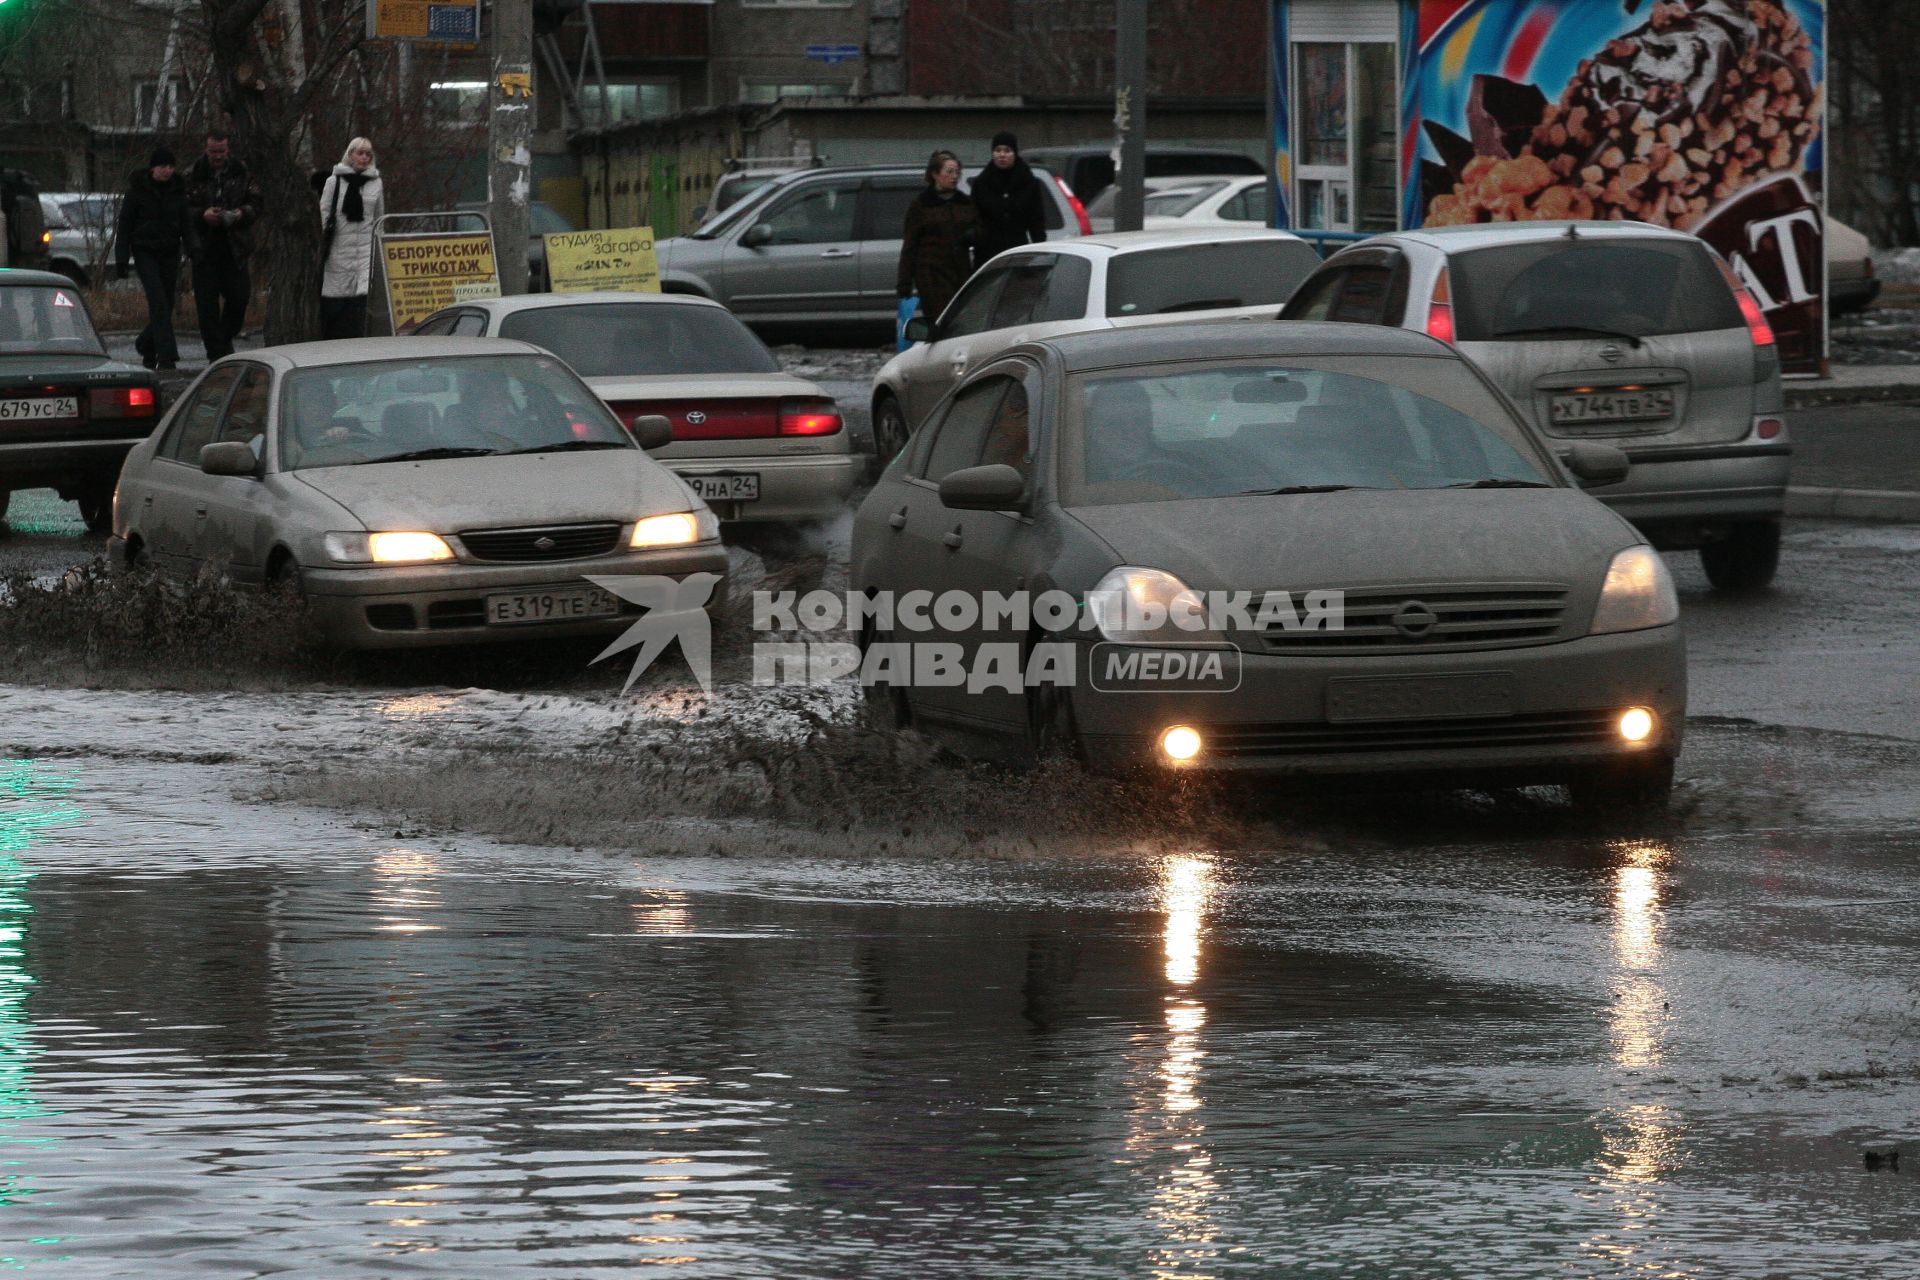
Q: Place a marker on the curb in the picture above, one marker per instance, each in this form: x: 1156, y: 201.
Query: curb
x: 1806, y: 397
x: 1854, y: 504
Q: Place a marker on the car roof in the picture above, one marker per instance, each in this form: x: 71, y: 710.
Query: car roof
x: 1106, y: 148
x: 22, y: 276
x: 309, y: 355
x: 1167, y: 238
x: 1484, y: 234
x: 538, y: 301
x: 1198, y: 340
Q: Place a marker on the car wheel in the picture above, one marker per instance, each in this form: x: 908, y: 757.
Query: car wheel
x: 889, y: 430
x: 1746, y: 559
x: 96, y: 506
x: 1052, y: 732
x: 285, y: 583
x: 886, y: 705
x: 1633, y: 787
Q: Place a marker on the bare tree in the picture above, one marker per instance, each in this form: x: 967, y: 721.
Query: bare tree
x: 273, y: 60
x: 1873, y: 127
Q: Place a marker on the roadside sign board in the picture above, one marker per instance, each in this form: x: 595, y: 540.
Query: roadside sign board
x: 603, y: 261
x: 832, y: 54
x: 428, y: 271
x: 450, y: 21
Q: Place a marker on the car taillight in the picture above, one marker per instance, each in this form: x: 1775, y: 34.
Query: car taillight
x: 1440, y: 309
x: 46, y: 239
x: 1768, y: 428
x: 121, y: 402
x: 809, y: 418
x: 1073, y: 202
x: 1757, y: 327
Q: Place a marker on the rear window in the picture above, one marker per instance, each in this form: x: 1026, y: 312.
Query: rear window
x: 1171, y: 204
x: 1202, y: 277
x: 1162, y: 165
x: 632, y: 339
x: 33, y: 318
x: 1562, y: 287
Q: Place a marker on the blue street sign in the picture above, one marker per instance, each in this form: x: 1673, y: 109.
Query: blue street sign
x: 832, y: 53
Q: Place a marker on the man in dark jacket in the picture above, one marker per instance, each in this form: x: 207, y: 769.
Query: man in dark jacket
x: 224, y: 203
x: 1012, y: 203
x: 152, y: 232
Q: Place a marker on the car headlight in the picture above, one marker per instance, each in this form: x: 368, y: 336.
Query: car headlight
x: 677, y: 530
x: 1638, y: 594
x: 1132, y: 605
x: 402, y: 547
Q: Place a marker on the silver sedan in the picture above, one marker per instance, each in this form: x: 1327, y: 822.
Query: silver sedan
x: 416, y: 493
x: 761, y: 446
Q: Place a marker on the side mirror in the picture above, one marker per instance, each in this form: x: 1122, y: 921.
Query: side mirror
x: 757, y: 235
x: 1596, y: 465
x: 652, y: 430
x: 228, y: 458
x: 919, y: 329
x: 994, y: 487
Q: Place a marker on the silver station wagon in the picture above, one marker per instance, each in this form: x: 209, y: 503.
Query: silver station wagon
x: 420, y: 492
x: 1620, y: 332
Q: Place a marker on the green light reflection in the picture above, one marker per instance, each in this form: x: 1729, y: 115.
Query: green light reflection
x: 32, y: 802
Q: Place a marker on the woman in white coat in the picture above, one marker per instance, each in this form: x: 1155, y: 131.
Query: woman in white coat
x: 351, y: 202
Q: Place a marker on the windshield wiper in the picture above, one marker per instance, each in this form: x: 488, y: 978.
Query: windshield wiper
x: 565, y: 446
x: 1631, y: 339
x: 1296, y: 488
x: 423, y: 455
x: 1500, y: 482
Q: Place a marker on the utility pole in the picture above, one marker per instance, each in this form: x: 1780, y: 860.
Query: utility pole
x: 1130, y: 113
x: 509, y: 135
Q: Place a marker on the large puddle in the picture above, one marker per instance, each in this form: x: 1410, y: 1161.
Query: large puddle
x: 240, y: 1039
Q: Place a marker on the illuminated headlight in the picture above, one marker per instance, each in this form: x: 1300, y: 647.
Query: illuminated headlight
x: 1150, y: 606
x: 387, y: 548
x: 1636, y: 724
x: 1180, y: 743
x: 1638, y: 593
x: 676, y: 530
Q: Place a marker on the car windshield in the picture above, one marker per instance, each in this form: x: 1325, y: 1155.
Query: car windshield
x: 635, y: 339
x: 36, y: 318
x: 439, y: 407
x: 739, y: 209
x: 1197, y: 277
x: 1171, y: 204
x: 1277, y: 429
x: 1580, y: 287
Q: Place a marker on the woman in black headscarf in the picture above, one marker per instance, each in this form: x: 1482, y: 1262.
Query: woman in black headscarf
x: 1011, y: 201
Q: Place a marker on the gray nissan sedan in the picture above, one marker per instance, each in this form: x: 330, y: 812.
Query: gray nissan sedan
x: 1306, y: 548
x: 419, y: 492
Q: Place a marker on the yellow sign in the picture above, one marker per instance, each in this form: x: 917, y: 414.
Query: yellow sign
x: 454, y: 21
x: 516, y: 84
x: 603, y: 261
x: 428, y: 272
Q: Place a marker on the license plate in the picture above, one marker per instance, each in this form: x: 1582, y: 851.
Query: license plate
x: 1446, y: 697
x: 509, y: 609
x: 726, y: 486
x: 1613, y: 406
x: 35, y: 407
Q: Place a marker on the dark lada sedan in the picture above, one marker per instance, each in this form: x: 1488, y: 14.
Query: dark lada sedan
x: 69, y: 413
x: 1306, y: 548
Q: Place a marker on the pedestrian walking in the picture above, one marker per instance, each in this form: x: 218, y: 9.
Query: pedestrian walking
x: 1011, y: 201
x: 153, y: 232
x: 224, y: 203
x: 936, y: 249
x: 351, y: 203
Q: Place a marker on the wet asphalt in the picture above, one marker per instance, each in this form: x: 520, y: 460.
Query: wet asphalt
x: 242, y: 1033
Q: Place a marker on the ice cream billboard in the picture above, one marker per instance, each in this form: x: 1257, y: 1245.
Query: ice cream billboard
x: 1704, y: 115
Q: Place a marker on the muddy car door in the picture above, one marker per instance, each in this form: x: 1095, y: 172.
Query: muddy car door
x: 800, y: 259
x: 933, y: 367
x: 232, y: 510
x: 166, y: 521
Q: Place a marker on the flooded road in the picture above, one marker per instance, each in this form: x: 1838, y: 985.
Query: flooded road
x: 243, y: 1039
